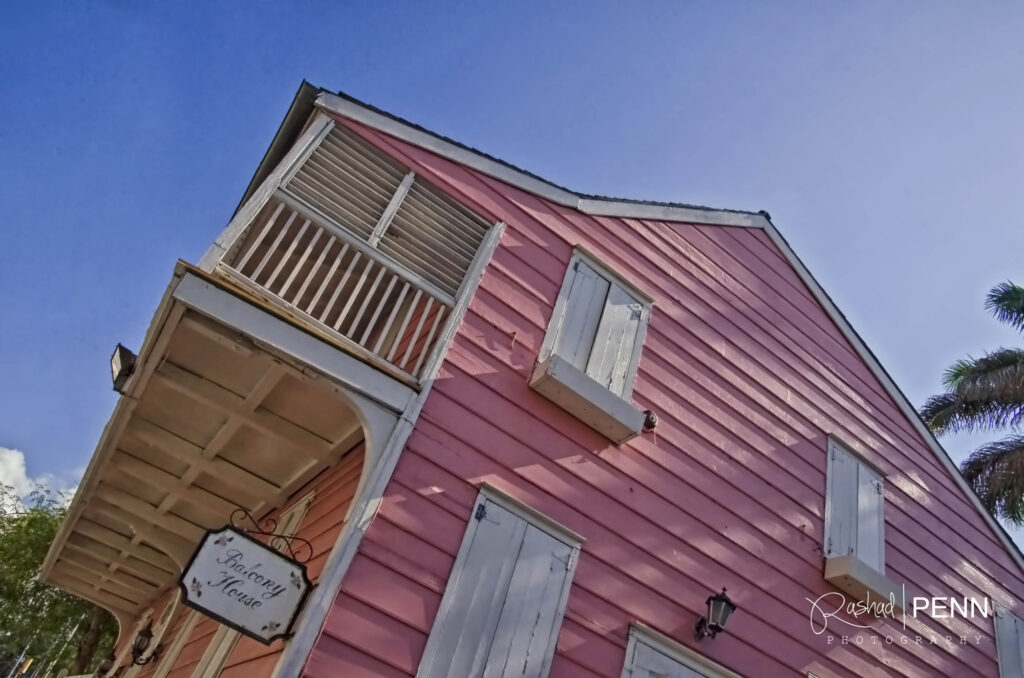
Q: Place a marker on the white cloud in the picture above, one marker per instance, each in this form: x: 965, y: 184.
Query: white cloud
x: 14, y: 473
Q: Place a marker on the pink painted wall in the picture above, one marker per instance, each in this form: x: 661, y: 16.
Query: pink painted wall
x: 334, y: 489
x: 748, y: 376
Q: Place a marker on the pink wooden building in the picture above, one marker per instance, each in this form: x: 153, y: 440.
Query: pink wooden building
x: 525, y: 432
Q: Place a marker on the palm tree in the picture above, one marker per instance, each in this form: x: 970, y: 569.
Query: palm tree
x: 985, y: 394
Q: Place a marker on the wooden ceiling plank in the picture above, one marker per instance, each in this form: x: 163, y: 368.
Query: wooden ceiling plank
x: 107, y: 536
x: 215, y: 334
x: 133, y: 597
x: 169, y: 482
x: 154, y: 436
x: 86, y: 548
x: 214, y: 395
x: 146, y: 511
x: 86, y: 590
x: 116, y: 581
x: 164, y: 540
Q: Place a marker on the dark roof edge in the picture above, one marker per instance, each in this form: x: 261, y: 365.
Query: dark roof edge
x: 894, y: 391
x: 351, y: 108
x: 291, y: 127
x: 310, y: 97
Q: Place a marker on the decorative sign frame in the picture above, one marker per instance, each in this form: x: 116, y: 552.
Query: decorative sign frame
x: 244, y: 584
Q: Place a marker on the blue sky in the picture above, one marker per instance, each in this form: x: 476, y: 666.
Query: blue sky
x: 886, y: 140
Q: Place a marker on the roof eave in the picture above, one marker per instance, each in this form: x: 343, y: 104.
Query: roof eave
x: 290, y: 129
x: 352, y: 109
x: 347, y: 107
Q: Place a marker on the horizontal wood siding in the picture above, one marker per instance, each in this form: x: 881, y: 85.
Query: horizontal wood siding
x: 748, y: 376
x: 334, y: 490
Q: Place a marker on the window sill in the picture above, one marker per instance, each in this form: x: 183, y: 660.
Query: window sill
x: 572, y: 390
x: 852, y: 575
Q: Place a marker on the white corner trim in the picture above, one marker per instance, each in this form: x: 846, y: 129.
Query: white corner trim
x: 890, y: 386
x: 316, y: 130
x: 640, y: 633
x: 531, y: 184
x: 364, y: 508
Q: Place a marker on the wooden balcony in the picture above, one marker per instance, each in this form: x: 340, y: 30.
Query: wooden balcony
x: 340, y: 285
x: 362, y: 250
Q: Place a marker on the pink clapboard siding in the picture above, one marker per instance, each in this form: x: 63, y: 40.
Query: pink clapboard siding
x: 334, y: 490
x: 748, y: 375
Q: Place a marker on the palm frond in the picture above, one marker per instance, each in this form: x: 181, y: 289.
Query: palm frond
x: 951, y: 412
x: 996, y: 473
x: 1006, y: 302
x: 999, y: 375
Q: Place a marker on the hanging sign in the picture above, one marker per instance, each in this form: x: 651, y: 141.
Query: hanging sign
x: 245, y: 585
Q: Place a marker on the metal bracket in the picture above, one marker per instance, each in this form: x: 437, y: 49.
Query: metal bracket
x: 297, y: 548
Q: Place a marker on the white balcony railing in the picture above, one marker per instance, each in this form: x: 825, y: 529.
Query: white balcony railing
x: 341, y: 285
x: 361, y: 248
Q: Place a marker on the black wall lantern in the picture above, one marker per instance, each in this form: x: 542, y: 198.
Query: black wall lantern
x: 122, y: 364
x: 719, y: 609
x: 141, y: 643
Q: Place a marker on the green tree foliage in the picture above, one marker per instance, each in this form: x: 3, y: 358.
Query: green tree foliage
x: 53, y: 625
x: 985, y: 394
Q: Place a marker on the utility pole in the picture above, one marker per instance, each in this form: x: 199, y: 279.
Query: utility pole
x: 17, y: 664
x: 67, y: 638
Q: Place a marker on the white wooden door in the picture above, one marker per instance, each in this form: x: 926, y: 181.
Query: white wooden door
x: 501, y: 611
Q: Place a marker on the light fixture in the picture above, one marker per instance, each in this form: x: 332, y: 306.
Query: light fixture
x: 719, y: 609
x: 141, y: 643
x: 122, y: 364
x: 103, y: 670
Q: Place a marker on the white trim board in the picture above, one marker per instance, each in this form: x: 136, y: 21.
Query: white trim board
x: 890, y: 387
x: 232, y: 311
x: 364, y: 506
x: 352, y: 110
x: 365, y: 115
x: 668, y: 646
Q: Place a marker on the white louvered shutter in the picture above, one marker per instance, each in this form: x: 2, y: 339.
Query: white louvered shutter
x: 434, y: 236
x: 870, y: 518
x: 615, y: 339
x: 348, y: 180
x: 501, y: 611
x: 352, y: 183
x: 1009, y: 644
x: 649, y: 663
x: 841, y: 503
x: 584, y: 306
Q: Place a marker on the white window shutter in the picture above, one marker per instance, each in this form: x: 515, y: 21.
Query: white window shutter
x: 583, y: 308
x: 649, y: 663
x: 841, y: 508
x: 1018, y: 656
x: 1009, y: 644
x: 526, y: 628
x: 502, y: 608
x: 870, y: 518
x: 473, y: 600
x: 615, y: 338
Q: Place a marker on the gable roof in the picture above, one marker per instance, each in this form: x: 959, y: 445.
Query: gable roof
x: 310, y: 98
